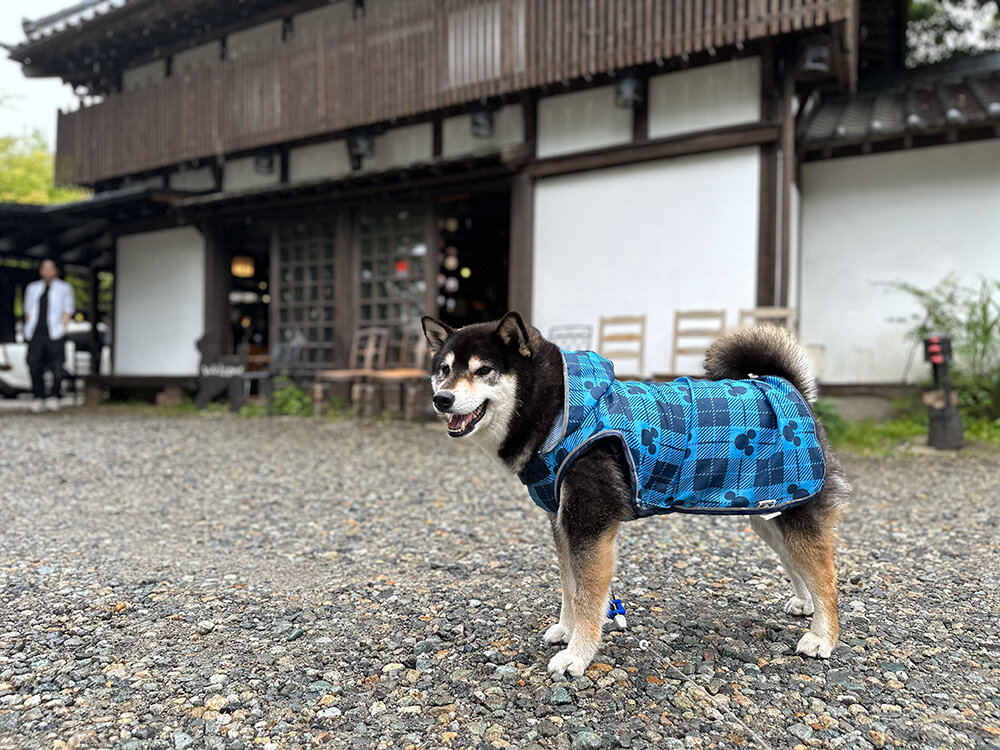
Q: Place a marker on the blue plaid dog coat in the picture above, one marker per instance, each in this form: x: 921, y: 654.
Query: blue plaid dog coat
x: 693, y: 446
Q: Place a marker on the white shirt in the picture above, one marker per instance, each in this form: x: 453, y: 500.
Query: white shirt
x: 60, y: 303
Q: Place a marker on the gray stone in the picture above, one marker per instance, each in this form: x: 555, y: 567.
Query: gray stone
x: 560, y: 696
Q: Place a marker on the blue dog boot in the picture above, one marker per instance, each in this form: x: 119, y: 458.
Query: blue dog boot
x: 616, y: 613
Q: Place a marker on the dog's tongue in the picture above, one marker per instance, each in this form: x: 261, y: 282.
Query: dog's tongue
x: 459, y: 421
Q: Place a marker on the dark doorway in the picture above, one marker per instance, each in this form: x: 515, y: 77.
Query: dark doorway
x: 473, y: 256
x: 247, y: 257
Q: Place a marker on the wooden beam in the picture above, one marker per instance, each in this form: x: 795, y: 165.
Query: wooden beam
x: 662, y: 148
x: 522, y: 230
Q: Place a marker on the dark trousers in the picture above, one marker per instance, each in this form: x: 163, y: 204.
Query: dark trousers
x: 45, y: 354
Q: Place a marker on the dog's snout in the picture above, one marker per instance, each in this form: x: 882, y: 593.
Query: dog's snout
x: 444, y: 400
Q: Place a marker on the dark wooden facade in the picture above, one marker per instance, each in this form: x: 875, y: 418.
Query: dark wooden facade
x: 426, y: 58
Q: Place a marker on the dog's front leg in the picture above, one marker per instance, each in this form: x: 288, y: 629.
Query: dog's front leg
x: 562, y: 630
x: 591, y: 557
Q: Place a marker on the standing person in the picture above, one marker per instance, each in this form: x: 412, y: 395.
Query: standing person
x: 48, y: 306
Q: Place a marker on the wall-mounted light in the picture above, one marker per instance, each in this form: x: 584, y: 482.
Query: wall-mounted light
x: 242, y: 267
x: 360, y: 143
x: 481, y: 122
x: 629, y: 91
x: 263, y: 164
x: 814, y: 60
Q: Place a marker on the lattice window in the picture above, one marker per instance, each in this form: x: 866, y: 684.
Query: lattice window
x: 305, y: 300
x: 393, y: 250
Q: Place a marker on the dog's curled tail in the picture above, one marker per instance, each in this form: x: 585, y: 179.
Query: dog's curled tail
x: 761, y: 350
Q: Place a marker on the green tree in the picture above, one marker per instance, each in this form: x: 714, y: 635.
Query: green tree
x: 27, y: 172
x: 938, y: 30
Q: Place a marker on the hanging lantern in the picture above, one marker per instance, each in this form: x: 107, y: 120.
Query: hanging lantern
x: 242, y: 267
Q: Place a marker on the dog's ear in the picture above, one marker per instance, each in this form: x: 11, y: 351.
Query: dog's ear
x: 512, y: 332
x: 435, y: 332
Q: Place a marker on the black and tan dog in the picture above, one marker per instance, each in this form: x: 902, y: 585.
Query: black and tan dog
x: 501, y: 385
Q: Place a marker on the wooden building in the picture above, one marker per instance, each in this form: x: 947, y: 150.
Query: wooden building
x: 310, y: 167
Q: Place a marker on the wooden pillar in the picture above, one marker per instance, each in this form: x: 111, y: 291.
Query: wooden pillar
x: 522, y: 230
x: 216, y: 287
x: 787, y: 182
x: 768, y: 194
x: 94, y: 313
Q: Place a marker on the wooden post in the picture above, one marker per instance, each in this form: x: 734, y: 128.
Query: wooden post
x: 787, y: 181
x: 522, y: 229
x: 768, y: 198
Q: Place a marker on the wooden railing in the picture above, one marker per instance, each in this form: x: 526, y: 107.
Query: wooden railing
x: 434, y: 54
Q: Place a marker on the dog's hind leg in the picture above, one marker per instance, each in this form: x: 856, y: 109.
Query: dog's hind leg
x: 801, y: 603
x: 562, y: 630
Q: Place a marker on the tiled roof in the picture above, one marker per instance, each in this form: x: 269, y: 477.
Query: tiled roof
x: 916, y: 103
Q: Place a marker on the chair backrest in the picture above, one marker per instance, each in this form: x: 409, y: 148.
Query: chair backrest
x: 368, y: 348
x: 623, y: 337
x: 412, y: 347
x: 572, y: 337
x: 782, y: 317
x: 289, y: 351
x: 694, y: 332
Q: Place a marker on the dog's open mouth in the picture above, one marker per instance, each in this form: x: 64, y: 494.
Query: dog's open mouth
x: 463, y: 424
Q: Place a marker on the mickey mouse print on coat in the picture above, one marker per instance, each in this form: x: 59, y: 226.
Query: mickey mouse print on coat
x: 693, y: 446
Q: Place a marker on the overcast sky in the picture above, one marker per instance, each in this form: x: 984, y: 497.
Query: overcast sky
x: 32, y: 102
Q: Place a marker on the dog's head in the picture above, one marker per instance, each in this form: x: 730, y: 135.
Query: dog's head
x: 476, y: 372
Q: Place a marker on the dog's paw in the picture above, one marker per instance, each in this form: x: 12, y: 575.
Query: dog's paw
x: 569, y: 662
x: 557, y: 633
x: 799, y: 607
x: 811, y: 644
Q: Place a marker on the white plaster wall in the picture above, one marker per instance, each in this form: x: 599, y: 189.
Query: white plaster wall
x: 647, y: 238
x: 401, y: 146
x: 144, y: 75
x: 335, y: 15
x: 709, y: 96
x: 202, y: 56
x: 240, y: 174
x: 508, y: 129
x: 582, y: 121
x: 192, y: 179
x: 914, y: 216
x: 254, y: 39
x: 319, y: 161
x: 159, y: 302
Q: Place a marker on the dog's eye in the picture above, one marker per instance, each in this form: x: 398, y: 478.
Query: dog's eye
x: 445, y: 370
x: 484, y: 371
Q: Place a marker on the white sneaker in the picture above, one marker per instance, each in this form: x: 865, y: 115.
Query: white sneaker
x: 52, y: 403
x: 37, y: 406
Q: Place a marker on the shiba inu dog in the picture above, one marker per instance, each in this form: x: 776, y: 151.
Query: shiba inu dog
x: 595, y: 452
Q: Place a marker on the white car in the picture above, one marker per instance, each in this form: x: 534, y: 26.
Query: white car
x: 18, y: 380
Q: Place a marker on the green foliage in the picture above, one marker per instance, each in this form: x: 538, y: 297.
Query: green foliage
x: 250, y: 411
x: 27, y: 172
x: 938, y: 30
x: 290, y: 400
x: 970, y: 316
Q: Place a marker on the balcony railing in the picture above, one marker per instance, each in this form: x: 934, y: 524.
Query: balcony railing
x: 433, y: 54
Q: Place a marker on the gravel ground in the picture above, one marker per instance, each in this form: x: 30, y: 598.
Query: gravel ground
x: 214, y: 582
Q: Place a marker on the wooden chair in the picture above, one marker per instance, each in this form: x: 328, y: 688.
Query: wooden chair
x: 410, y: 372
x: 368, y: 348
x: 572, y: 337
x: 627, y: 336
x: 782, y: 317
x: 701, y: 326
